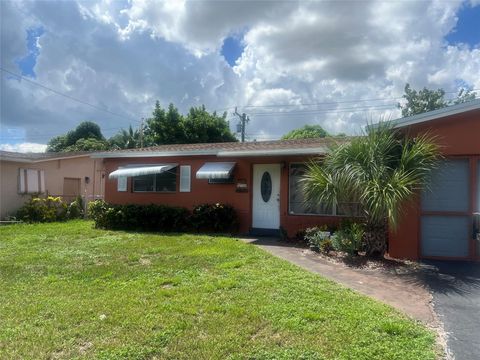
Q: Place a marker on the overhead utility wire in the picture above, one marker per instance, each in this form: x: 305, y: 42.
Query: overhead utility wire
x: 67, y: 96
x: 38, y: 136
x: 329, y: 103
x: 270, y: 114
x: 320, y: 111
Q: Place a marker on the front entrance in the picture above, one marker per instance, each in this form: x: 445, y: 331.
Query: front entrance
x: 446, y: 220
x: 266, y: 196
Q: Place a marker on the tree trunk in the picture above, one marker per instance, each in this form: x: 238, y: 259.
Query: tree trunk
x: 376, y: 239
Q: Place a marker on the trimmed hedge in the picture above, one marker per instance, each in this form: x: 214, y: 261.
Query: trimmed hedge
x: 164, y: 218
x: 215, y: 217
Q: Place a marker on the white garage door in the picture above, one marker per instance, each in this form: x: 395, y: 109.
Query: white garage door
x: 446, y: 222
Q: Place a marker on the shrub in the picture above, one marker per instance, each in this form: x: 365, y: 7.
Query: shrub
x: 75, y: 209
x: 151, y: 217
x: 215, y: 217
x: 349, y: 238
x: 326, y: 246
x: 39, y: 209
x: 96, y: 212
x: 318, y: 238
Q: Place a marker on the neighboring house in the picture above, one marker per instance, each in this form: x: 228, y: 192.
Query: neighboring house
x: 260, y: 179
x: 441, y: 223
x: 58, y: 174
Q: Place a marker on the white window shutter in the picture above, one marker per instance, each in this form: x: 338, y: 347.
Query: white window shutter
x: 185, y: 178
x: 32, y: 181
x: 21, y: 181
x: 42, y: 180
x: 122, y: 183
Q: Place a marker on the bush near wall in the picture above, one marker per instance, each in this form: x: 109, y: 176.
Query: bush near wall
x: 49, y: 209
x: 154, y: 217
x: 215, y: 217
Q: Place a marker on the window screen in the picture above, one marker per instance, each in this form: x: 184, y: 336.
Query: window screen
x: 163, y: 182
x: 297, y: 203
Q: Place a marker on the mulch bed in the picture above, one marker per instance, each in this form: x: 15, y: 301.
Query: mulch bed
x: 363, y: 262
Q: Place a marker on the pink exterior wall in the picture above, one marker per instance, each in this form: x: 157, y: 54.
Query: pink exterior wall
x: 55, y: 172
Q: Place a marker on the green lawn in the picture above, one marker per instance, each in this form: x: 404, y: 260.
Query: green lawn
x: 70, y: 291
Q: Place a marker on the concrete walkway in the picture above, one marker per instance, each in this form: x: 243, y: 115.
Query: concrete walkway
x: 405, y: 292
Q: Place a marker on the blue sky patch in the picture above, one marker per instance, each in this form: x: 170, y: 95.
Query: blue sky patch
x: 232, y: 49
x: 467, y: 30
x: 27, y: 63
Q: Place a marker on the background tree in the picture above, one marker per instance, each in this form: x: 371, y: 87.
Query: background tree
x: 306, y: 132
x: 464, y: 96
x: 422, y: 101
x: 90, y: 144
x: 418, y: 102
x: 126, y: 139
x: 165, y: 127
x: 202, y: 127
x: 87, y: 134
x: 57, y: 144
x: 381, y: 171
x: 198, y: 126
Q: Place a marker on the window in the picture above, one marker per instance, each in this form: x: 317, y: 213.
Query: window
x: 229, y: 180
x: 185, y: 176
x: 31, y: 181
x: 298, y: 205
x: 163, y: 182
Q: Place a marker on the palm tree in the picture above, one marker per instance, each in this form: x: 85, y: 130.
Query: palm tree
x: 126, y: 139
x: 381, y: 171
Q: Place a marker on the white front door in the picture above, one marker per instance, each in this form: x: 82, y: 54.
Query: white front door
x: 266, y: 196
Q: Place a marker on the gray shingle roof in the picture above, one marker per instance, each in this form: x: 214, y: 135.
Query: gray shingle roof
x: 225, y: 148
x: 34, y: 157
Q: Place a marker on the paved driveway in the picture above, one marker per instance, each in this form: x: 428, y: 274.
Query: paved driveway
x: 456, y: 296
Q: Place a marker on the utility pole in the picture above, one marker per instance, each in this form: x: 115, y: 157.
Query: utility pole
x: 141, y: 133
x: 244, y: 119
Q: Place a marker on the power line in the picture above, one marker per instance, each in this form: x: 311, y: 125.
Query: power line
x: 273, y: 114
x: 38, y: 136
x: 325, y: 111
x: 66, y: 95
x: 331, y: 102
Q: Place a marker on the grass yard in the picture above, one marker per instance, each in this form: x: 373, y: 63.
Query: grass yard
x: 71, y: 291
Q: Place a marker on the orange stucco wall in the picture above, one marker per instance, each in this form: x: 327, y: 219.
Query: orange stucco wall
x: 457, y: 135
x: 202, y: 192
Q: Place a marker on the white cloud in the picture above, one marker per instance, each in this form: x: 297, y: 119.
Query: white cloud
x: 122, y: 56
x: 24, y: 147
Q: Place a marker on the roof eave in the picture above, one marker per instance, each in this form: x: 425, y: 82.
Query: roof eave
x: 17, y: 160
x: 219, y: 153
x: 144, y: 154
x: 277, y: 152
x: 436, y: 114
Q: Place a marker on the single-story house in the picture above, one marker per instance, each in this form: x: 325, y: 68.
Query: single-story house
x: 261, y: 180
x: 441, y: 223
x: 57, y: 174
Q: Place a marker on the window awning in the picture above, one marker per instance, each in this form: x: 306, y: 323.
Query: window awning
x: 137, y: 170
x: 215, y: 170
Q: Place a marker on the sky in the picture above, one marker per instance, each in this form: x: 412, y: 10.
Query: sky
x: 339, y: 64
